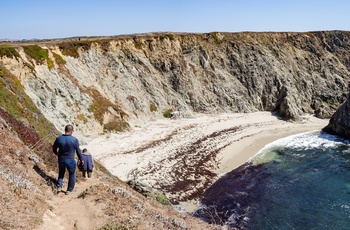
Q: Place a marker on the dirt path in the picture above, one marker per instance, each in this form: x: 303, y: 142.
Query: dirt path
x: 71, y: 212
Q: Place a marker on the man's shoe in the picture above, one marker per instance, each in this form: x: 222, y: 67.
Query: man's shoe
x: 59, y: 189
x: 69, y: 192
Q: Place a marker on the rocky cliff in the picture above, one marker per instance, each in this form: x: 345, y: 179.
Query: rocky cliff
x: 103, y: 84
x: 116, y: 83
x: 339, y: 124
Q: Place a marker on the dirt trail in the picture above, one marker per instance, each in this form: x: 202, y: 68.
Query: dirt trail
x: 71, y: 212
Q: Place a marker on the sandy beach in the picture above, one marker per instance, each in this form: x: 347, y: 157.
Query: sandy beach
x: 183, y: 157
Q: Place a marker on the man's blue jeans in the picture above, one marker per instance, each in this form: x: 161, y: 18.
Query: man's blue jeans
x: 70, y: 165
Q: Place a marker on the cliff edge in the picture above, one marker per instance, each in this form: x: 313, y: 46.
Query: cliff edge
x: 109, y: 84
x: 339, y: 124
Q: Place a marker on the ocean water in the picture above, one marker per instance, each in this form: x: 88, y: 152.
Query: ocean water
x: 298, y: 182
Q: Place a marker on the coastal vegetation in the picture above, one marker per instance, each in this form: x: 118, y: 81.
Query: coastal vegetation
x: 24, y: 117
x: 101, y: 106
x: 72, y: 48
x: 59, y: 60
x: 39, y: 54
x: 170, y: 36
x: 8, y: 51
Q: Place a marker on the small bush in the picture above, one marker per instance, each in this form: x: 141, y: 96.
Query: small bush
x: 118, y: 126
x: 161, y: 198
x: 153, y: 107
x: 170, y: 36
x: 167, y: 113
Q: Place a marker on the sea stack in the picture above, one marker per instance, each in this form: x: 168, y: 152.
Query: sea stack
x: 339, y: 124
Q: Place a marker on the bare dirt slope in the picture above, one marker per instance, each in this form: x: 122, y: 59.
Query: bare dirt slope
x: 72, y: 211
x: 104, y: 203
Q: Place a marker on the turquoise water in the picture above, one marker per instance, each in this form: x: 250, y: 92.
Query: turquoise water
x: 299, y: 182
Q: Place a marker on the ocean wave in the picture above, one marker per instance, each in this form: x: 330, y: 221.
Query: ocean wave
x: 302, y: 141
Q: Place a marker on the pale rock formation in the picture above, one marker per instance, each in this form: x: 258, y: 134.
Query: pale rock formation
x: 135, y: 79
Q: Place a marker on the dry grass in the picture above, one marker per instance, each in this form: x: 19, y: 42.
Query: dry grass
x: 22, y: 202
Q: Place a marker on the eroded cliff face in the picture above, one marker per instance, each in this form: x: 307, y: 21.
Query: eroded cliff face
x: 116, y: 83
x: 339, y: 124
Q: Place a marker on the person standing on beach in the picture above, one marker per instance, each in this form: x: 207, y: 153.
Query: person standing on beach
x: 88, y: 165
x: 64, y: 148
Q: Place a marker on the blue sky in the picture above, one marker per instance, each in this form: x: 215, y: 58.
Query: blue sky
x: 40, y: 19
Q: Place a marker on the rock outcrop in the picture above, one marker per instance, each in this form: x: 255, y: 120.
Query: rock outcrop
x: 116, y: 83
x: 339, y: 124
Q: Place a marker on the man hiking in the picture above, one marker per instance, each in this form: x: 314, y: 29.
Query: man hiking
x: 64, y: 148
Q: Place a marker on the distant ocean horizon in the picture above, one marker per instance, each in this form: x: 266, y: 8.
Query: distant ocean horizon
x: 298, y: 182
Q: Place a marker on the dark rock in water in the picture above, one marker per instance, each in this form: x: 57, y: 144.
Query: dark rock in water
x: 339, y: 124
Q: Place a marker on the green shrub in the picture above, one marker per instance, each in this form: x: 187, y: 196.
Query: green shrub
x: 167, y: 113
x: 92, y: 108
x: 161, y: 198
x: 170, y: 36
x: 153, y: 107
x: 37, y: 53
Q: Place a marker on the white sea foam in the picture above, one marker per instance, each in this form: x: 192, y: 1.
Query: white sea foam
x: 305, y: 141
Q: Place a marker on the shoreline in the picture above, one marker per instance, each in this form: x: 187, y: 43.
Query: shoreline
x: 242, y: 151
x: 184, y: 157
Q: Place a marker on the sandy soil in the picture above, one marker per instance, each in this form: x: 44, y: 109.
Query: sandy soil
x: 183, y: 157
x: 72, y: 212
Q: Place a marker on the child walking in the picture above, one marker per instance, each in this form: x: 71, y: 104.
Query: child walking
x: 88, y: 165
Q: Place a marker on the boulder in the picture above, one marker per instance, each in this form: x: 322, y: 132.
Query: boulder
x: 339, y: 124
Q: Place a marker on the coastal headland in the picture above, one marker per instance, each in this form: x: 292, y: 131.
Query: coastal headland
x: 119, y: 92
